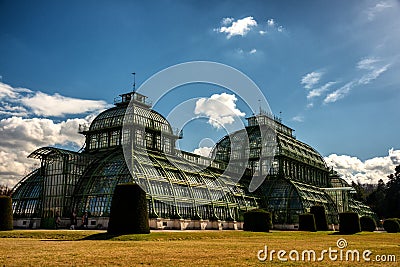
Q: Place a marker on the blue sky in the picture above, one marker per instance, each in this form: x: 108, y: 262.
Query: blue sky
x: 330, y: 67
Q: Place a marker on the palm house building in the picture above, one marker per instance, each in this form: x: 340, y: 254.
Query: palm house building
x: 184, y: 190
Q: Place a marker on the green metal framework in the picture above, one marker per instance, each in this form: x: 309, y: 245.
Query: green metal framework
x: 181, y: 184
x: 296, y: 179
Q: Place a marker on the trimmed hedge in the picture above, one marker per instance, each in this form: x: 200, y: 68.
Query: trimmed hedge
x: 349, y: 223
x: 257, y: 220
x: 6, y: 214
x: 307, y: 222
x: 128, y: 214
x: 392, y: 225
x: 368, y: 224
x: 48, y: 223
x: 320, y: 217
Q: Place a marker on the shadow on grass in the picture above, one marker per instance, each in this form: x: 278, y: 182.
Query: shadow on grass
x: 340, y: 233
x: 101, y: 236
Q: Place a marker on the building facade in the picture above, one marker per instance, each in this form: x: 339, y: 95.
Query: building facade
x: 184, y: 190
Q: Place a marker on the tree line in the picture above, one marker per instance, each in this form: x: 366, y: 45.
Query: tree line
x: 384, y: 199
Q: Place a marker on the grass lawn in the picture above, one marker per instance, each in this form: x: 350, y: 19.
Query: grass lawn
x: 183, y: 248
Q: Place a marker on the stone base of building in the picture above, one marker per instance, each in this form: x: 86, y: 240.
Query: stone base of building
x: 184, y: 224
x: 155, y: 224
x: 32, y: 223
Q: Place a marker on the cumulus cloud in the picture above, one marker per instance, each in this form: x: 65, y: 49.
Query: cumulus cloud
x: 253, y: 51
x: 22, y: 102
x: 22, y: 131
x: 365, y: 172
x: 271, y: 22
x: 219, y: 108
x: 21, y: 136
x: 311, y: 79
x: 203, y: 151
x: 57, y: 105
x: 374, y: 69
x: 240, y: 27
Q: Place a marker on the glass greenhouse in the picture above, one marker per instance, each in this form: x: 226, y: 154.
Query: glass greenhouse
x: 180, y: 185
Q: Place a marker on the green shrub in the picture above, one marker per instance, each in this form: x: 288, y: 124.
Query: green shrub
x: 392, y: 225
x: 320, y: 217
x: 128, y: 214
x: 367, y: 224
x: 257, y: 220
x: 307, y: 222
x: 6, y: 214
x: 349, y: 223
x: 48, y: 223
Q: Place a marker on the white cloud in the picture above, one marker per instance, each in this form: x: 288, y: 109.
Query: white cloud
x: 227, y: 21
x: 298, y: 118
x: 374, y: 71
x: 311, y: 79
x: 22, y: 133
x: 271, y: 22
x: 378, y: 8
x: 339, y: 93
x: 243, y: 53
x: 219, y: 108
x: 7, y: 91
x: 368, y: 171
x: 22, y: 136
x: 262, y: 32
x: 6, y: 109
x: 22, y: 101
x: 367, y: 63
x: 374, y: 74
x: 320, y: 90
x: 240, y: 27
x: 203, y: 151
x: 57, y: 105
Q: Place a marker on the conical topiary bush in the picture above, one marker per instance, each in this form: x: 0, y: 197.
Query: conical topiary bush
x: 6, y: 214
x: 128, y: 214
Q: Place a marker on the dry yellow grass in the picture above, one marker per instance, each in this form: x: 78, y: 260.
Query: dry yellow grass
x: 186, y: 248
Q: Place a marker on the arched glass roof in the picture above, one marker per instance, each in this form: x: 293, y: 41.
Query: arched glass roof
x: 109, y: 118
x: 300, y: 151
x: 287, y: 146
x: 287, y: 199
x: 114, y: 118
x: 50, y: 151
x: 171, y: 181
x: 27, y: 195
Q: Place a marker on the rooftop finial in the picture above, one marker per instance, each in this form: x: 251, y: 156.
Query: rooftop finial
x: 134, y: 81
